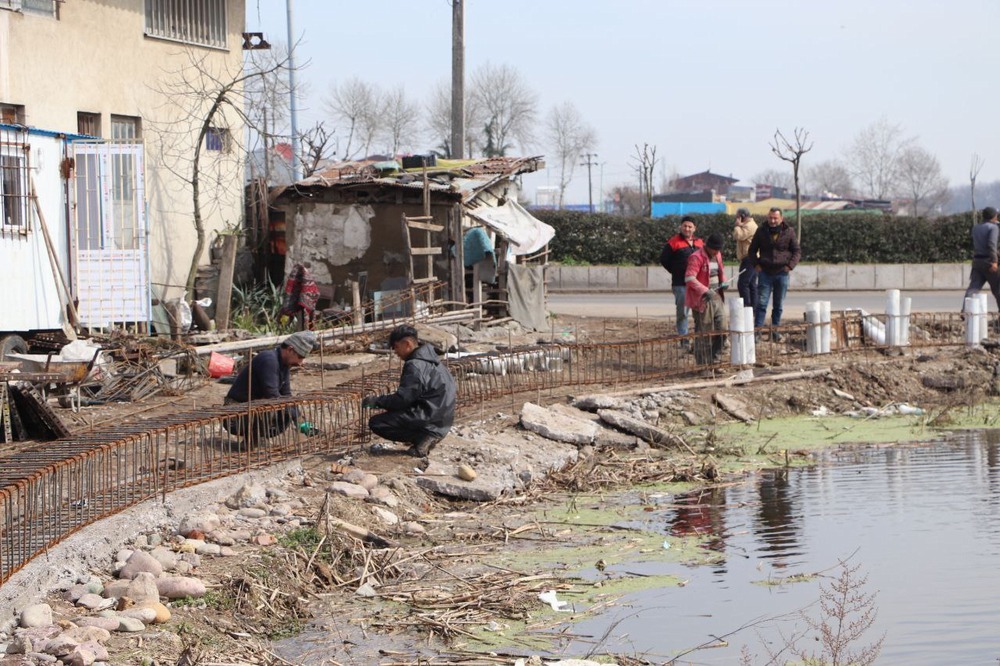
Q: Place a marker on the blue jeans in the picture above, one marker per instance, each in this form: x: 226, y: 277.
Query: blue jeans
x: 768, y: 286
x: 680, y: 294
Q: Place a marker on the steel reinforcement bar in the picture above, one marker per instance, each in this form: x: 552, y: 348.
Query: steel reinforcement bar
x: 52, y: 490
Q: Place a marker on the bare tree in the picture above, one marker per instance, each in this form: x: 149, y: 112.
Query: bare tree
x: 775, y: 178
x: 508, y: 105
x: 438, y: 120
x: 792, y: 151
x: 644, y: 165
x: 400, y: 126
x: 830, y: 177
x: 873, y: 158
x: 356, y: 104
x: 628, y: 200
x: 569, y: 137
x: 215, y: 102
x: 316, y: 148
x: 920, y: 178
x: 974, y: 168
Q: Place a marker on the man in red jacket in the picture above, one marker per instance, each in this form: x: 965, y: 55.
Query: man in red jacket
x: 703, y: 280
x: 674, y: 258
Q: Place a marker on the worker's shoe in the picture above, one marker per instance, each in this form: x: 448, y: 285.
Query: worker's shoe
x: 423, y: 447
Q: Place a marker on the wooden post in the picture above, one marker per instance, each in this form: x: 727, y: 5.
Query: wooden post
x: 224, y: 293
x: 356, y: 313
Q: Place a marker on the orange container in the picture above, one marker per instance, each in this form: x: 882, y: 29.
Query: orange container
x: 220, y: 365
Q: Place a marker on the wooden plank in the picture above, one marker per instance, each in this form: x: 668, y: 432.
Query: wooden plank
x: 424, y: 226
x: 424, y: 250
x: 420, y: 218
x: 425, y: 280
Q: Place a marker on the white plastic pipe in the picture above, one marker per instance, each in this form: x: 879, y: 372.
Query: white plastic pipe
x: 984, y: 306
x: 737, y: 354
x: 972, y: 337
x: 873, y: 329
x: 813, y: 335
x: 825, y: 328
x: 904, y: 312
x: 892, y: 317
x: 750, y: 340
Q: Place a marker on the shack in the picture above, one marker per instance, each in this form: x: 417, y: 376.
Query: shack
x: 370, y: 228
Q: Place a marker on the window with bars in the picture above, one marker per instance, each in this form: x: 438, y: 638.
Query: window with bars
x: 217, y: 139
x: 13, y: 191
x: 88, y: 123
x: 124, y: 128
x: 40, y: 7
x: 200, y: 22
x: 11, y: 114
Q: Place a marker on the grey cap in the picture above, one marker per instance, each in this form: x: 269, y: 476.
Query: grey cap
x: 302, y: 342
x: 742, y: 212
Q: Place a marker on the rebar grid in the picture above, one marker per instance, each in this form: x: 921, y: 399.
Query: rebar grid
x: 52, y: 490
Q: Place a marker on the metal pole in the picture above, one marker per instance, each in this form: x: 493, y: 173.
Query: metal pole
x: 292, y: 105
x: 457, y: 80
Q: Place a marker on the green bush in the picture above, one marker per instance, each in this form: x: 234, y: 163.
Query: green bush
x: 857, y: 238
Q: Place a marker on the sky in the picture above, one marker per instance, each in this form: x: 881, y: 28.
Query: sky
x: 707, y: 82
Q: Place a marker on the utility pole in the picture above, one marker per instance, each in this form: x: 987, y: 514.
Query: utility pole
x: 590, y: 162
x: 293, y: 107
x: 457, y: 80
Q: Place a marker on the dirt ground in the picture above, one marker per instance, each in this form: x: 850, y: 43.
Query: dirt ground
x: 261, y: 595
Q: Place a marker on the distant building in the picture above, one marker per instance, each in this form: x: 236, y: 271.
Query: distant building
x: 741, y: 193
x: 706, y: 180
x: 765, y: 191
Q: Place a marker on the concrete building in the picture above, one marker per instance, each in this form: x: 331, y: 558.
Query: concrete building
x: 103, y: 103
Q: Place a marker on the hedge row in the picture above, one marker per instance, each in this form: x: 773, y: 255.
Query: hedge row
x: 826, y: 238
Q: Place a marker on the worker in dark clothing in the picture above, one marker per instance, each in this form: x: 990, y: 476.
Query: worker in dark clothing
x: 268, y: 376
x: 422, y: 409
x: 984, y: 256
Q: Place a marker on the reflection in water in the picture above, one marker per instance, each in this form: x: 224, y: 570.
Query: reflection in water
x: 700, y: 514
x: 777, y: 519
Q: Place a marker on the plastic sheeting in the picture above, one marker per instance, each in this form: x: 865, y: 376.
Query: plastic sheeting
x: 526, y: 295
x: 526, y: 233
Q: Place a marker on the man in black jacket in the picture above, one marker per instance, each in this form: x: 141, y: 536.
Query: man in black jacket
x: 422, y: 409
x: 775, y: 253
x: 268, y: 376
x: 674, y: 257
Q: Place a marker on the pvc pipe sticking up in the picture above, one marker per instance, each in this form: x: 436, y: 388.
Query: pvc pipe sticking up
x: 892, y: 317
x: 825, y: 329
x: 972, y: 336
x: 984, y: 308
x: 813, y: 335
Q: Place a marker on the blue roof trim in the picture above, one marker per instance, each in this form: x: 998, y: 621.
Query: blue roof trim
x: 70, y: 136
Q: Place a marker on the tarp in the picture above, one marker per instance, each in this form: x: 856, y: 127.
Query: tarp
x: 526, y: 233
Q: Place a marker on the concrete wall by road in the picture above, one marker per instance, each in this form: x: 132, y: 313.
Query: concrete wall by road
x: 817, y: 277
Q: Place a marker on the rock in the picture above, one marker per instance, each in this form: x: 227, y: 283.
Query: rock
x: 366, y: 590
x: 161, y: 613
x: 413, y: 528
x: 130, y: 625
x: 353, y: 475
x: 84, y: 634
x: 177, y: 587
x: 106, y: 623
x: 183, y: 568
x: 226, y: 551
x: 249, y: 495
x: 36, y: 615
x: 347, y: 489
x: 92, y: 601
x: 20, y: 645
x: 58, y: 646
x: 557, y: 426
x: 485, y: 493
x: 202, y: 522
x: 606, y: 438
x: 222, y: 538
x: 264, y: 540
x: 75, y: 592
x: 154, y: 540
x: 733, y: 406
x: 115, y: 589
x: 949, y: 382
x: 276, y: 494
x: 280, y: 511
x: 142, y: 588
x: 466, y: 473
x: 368, y: 481
x: 386, y: 516
x: 252, y: 512
x: 442, y: 340
x: 212, y: 549
x: 593, y: 403
x: 138, y: 562
x: 145, y: 614
x: 166, y: 557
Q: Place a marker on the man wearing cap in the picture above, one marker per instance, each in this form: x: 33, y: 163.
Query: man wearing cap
x: 703, y: 281
x: 422, y: 409
x: 268, y: 376
x: 775, y: 253
x: 984, y: 256
x: 743, y: 232
x: 674, y: 257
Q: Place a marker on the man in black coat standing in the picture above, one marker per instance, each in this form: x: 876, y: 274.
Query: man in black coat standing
x: 422, y: 409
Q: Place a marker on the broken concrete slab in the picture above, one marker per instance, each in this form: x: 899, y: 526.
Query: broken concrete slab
x: 573, y: 412
x: 502, y: 462
x: 733, y: 406
x: 593, y: 403
x: 650, y: 433
x: 556, y: 426
x: 342, y: 361
x: 442, y: 340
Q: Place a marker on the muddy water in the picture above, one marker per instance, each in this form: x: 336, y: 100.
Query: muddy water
x: 922, y: 521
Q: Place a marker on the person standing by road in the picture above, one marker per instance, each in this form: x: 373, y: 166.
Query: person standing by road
x: 703, y: 293
x: 984, y: 256
x: 775, y: 253
x: 674, y: 257
x: 746, y: 282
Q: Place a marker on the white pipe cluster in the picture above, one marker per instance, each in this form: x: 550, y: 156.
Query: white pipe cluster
x: 818, y: 329
x: 897, y: 319
x: 742, y: 349
x: 976, y: 327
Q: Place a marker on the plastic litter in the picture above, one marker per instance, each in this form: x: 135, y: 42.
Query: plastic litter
x: 549, y: 597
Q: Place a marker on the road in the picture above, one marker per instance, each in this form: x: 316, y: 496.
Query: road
x: 649, y: 304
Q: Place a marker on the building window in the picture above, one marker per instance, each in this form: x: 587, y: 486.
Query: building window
x: 88, y: 124
x: 11, y: 114
x: 126, y: 128
x: 200, y: 22
x: 217, y: 139
x: 13, y: 191
x: 40, y: 7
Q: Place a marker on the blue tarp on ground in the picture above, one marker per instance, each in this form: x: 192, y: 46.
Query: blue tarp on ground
x: 664, y: 208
